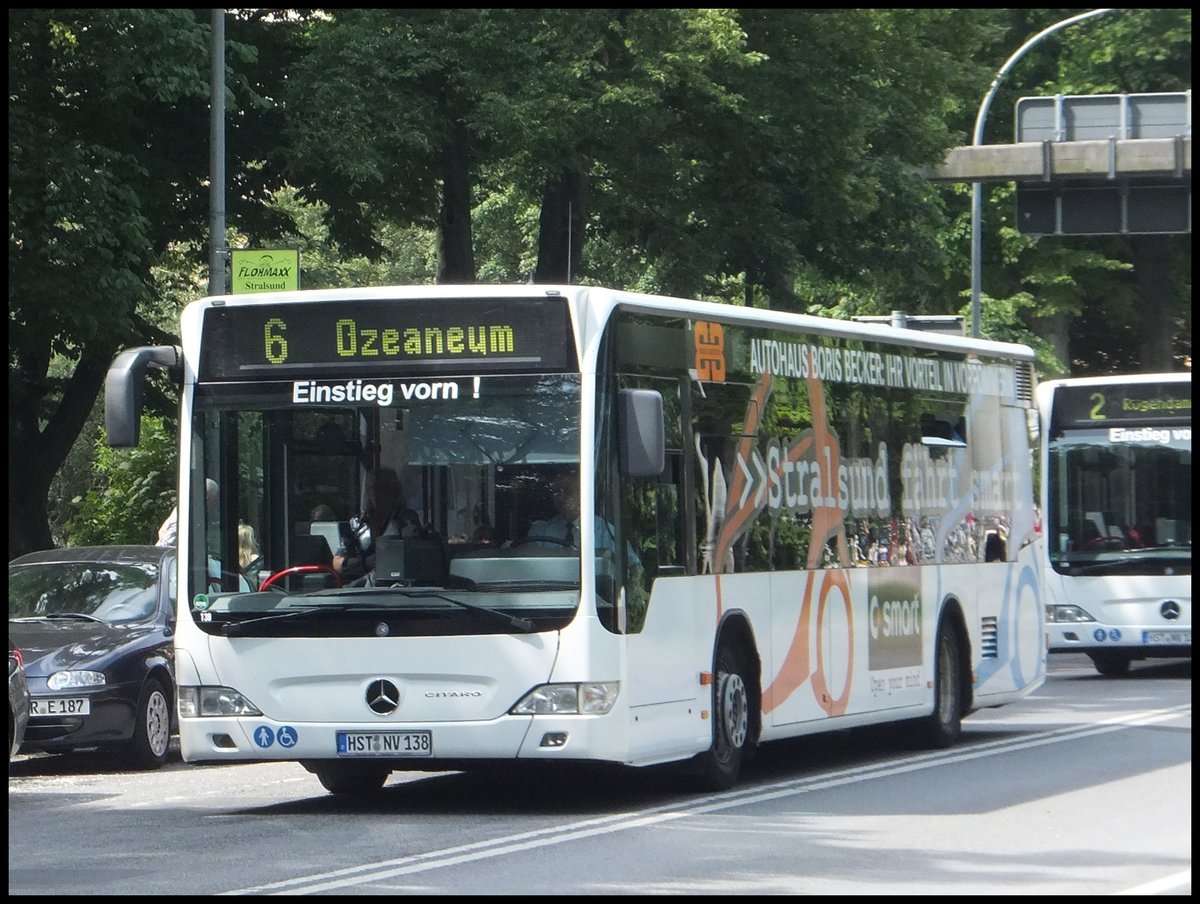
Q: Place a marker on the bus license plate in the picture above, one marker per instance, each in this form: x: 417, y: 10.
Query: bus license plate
x: 385, y: 743
x: 60, y: 706
x: 1168, y: 637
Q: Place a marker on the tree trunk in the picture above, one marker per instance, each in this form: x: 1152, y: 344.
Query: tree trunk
x: 36, y: 451
x: 1056, y: 330
x: 779, y: 285
x: 29, y: 479
x: 456, y: 256
x: 560, y: 234
x: 1152, y: 268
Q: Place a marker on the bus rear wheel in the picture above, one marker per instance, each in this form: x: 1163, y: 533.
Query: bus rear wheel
x: 721, y: 764
x: 343, y: 778
x: 942, y: 728
x: 1111, y: 664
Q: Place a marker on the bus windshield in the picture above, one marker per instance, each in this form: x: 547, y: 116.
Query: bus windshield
x: 1123, y: 501
x: 421, y: 506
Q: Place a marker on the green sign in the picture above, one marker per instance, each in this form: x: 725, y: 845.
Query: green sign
x: 276, y: 270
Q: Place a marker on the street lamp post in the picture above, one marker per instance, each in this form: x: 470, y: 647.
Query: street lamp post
x: 216, y: 191
x: 977, y: 187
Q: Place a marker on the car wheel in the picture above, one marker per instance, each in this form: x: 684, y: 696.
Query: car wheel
x: 152, y: 726
x: 941, y: 729
x: 721, y: 764
x: 1110, y: 664
x: 341, y: 778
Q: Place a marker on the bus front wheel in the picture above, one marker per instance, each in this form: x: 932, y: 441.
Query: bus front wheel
x: 1110, y: 664
x: 722, y: 763
x: 342, y: 778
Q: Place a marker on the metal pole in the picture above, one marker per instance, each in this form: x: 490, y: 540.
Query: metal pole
x: 216, y: 189
x: 977, y: 187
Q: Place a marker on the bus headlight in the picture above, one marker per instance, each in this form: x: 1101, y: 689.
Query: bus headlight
x: 1066, y: 615
x: 586, y: 698
x: 214, y: 701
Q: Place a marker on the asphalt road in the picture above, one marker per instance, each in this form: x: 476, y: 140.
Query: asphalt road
x: 1083, y: 788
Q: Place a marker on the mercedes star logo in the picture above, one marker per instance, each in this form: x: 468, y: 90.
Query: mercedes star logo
x: 383, y: 697
x: 1169, y: 610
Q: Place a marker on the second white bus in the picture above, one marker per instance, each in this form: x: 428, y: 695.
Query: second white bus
x: 1116, y: 484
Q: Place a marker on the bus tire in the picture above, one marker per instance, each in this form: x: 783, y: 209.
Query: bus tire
x: 942, y: 727
x: 1111, y: 664
x: 721, y: 764
x: 343, y: 778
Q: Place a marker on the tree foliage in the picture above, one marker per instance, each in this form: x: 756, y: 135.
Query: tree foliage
x: 137, y: 494
x: 760, y: 157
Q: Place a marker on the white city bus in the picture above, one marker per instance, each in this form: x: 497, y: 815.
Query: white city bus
x: 1116, y: 485
x: 789, y: 525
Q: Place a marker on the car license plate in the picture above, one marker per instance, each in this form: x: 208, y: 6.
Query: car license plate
x: 385, y: 743
x: 1170, y: 637
x: 60, y: 706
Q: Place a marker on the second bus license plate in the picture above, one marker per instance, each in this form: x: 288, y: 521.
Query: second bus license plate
x: 1168, y: 637
x: 385, y: 743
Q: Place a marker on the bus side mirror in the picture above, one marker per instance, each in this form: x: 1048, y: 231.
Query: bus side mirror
x: 641, y: 434
x: 123, y: 389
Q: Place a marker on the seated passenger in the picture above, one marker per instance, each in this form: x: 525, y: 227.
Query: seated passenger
x: 562, y: 528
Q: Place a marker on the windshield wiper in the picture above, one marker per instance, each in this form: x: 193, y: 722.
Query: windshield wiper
x: 83, y: 615
x: 518, y: 586
x: 1142, y: 564
x: 515, y: 621
x: 230, y: 627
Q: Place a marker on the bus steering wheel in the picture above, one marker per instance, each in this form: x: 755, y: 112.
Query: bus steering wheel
x: 278, y: 576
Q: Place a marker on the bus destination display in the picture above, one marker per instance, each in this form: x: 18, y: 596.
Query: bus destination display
x: 382, y: 337
x: 1135, y: 403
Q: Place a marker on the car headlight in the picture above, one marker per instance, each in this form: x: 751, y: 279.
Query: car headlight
x: 214, y: 701
x: 75, y: 678
x: 584, y: 698
x: 1066, y: 615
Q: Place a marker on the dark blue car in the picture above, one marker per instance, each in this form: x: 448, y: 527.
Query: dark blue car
x: 95, y: 625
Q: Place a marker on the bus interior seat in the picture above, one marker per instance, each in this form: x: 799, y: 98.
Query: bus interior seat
x: 310, y: 550
x: 328, y: 530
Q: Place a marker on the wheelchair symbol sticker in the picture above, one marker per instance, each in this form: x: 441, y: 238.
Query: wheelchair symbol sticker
x: 286, y: 736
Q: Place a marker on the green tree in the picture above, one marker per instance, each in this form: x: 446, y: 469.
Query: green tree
x: 97, y: 100
x: 108, y: 171
x: 135, y: 494
x: 761, y: 157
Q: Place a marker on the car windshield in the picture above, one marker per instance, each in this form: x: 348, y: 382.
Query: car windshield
x: 105, y: 591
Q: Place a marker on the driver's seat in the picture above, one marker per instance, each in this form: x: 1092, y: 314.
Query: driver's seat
x: 310, y: 550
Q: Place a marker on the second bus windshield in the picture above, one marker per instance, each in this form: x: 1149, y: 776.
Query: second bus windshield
x: 1120, y: 500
